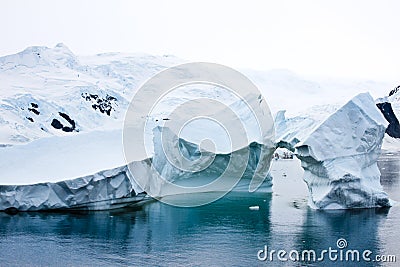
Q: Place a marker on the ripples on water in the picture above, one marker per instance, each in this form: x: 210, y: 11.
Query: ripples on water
x: 224, y: 233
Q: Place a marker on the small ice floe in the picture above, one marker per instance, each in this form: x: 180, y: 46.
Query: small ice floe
x: 254, y: 207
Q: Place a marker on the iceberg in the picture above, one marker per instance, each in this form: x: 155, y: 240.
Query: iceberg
x: 81, y: 172
x: 51, y: 180
x: 198, y: 170
x: 339, y: 155
x: 104, y: 190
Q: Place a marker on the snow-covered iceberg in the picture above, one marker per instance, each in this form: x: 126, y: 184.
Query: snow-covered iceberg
x: 84, y: 171
x: 88, y: 172
x: 339, y: 155
x: 198, y: 170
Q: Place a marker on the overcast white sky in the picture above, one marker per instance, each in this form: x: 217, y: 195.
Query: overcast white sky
x: 341, y: 38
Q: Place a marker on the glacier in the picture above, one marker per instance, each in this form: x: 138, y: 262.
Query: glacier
x: 339, y: 155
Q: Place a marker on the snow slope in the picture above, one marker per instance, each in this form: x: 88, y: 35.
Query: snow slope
x: 40, y: 84
x: 57, y: 158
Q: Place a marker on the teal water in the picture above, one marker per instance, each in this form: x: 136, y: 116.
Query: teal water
x: 223, y: 233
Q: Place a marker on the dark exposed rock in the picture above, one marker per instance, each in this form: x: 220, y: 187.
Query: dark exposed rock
x: 110, y: 98
x: 34, y: 111
x: 30, y: 119
x: 34, y: 105
x: 67, y: 129
x: 104, y: 105
x: 56, y: 124
x: 67, y: 118
x: 93, y: 96
x: 395, y: 90
x: 393, y: 129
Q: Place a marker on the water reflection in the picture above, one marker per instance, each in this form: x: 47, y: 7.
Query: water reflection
x: 389, y: 165
x: 157, y: 234
x: 359, y: 228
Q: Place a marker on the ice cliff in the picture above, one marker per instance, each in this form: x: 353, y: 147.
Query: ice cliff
x: 84, y: 171
x: 339, y: 155
x: 39, y: 185
x: 198, y: 167
x: 109, y: 189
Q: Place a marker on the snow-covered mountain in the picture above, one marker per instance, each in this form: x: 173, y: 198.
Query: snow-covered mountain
x: 51, y: 91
